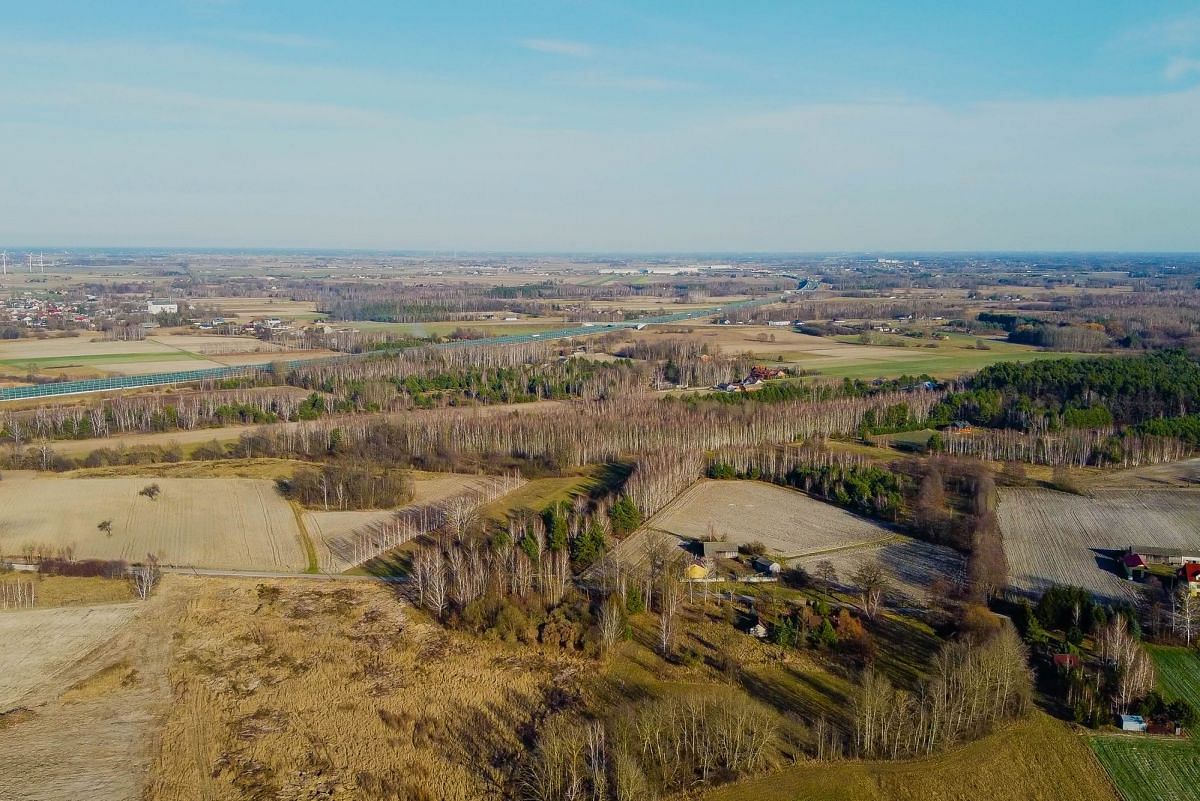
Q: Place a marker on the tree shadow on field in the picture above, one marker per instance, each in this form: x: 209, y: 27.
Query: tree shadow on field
x: 810, y: 695
x: 610, y: 478
x: 905, y: 651
x: 489, y: 735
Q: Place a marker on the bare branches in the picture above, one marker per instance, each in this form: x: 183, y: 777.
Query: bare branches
x: 145, y: 576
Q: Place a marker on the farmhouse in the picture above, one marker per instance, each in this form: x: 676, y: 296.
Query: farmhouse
x: 1133, y: 566
x: 716, y: 550
x: 764, y: 373
x: 1189, y: 576
x: 1066, y: 662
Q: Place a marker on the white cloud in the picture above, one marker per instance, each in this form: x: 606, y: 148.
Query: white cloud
x: 1173, y: 32
x: 1180, y: 67
x: 278, y: 39
x: 560, y: 47
x: 632, y: 83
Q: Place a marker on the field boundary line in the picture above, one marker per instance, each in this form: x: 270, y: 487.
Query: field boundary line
x: 853, y: 546
x: 310, y: 550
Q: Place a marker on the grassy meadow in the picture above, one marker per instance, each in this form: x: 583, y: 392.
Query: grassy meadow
x: 1033, y: 759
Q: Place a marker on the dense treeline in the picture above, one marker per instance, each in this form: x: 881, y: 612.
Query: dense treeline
x: 585, y: 433
x: 1100, y: 447
x: 1050, y: 394
x: 348, y: 485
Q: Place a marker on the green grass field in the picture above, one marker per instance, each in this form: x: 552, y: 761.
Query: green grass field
x: 1178, y: 672
x: 109, y: 358
x: 1034, y: 759
x: 1150, y: 768
x: 949, y: 358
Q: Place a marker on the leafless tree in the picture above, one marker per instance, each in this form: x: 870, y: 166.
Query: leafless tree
x: 1130, y: 663
x: 145, y: 576
x: 611, y: 621
x: 1185, y: 619
x: 871, y: 587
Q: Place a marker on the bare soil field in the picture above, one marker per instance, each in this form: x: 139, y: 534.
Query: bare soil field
x: 1173, y: 474
x: 245, y: 309
x: 228, y: 522
x: 218, y: 344
x: 910, y: 565
x: 42, y: 646
x: 88, y: 355
x: 94, y: 695
x: 1054, y: 538
x: 788, y: 522
x: 311, y: 690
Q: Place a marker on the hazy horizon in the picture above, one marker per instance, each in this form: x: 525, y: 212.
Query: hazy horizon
x: 603, y: 128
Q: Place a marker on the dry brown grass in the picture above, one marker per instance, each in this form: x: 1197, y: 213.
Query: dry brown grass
x: 74, y: 590
x: 269, y: 469
x: 335, y: 691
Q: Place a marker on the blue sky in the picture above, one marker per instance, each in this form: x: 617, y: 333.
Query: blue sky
x: 588, y: 126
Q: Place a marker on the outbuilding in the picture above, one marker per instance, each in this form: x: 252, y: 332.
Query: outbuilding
x: 716, y: 550
x: 768, y: 566
x: 1133, y: 723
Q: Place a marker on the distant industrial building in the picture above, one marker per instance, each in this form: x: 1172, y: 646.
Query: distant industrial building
x: 162, y: 307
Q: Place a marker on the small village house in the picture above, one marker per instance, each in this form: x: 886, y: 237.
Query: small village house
x: 1189, y: 576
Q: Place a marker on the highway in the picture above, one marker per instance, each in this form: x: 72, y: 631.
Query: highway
x: 219, y: 373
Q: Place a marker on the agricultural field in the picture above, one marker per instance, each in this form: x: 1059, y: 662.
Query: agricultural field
x: 1178, y: 672
x: 1053, y: 538
x: 788, y: 522
x: 42, y: 645
x: 85, y: 726
x: 216, y: 523
x: 491, y: 328
x: 909, y: 565
x: 845, y: 358
x: 89, y: 356
x: 1150, y: 768
x: 244, y: 310
x: 1034, y: 759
